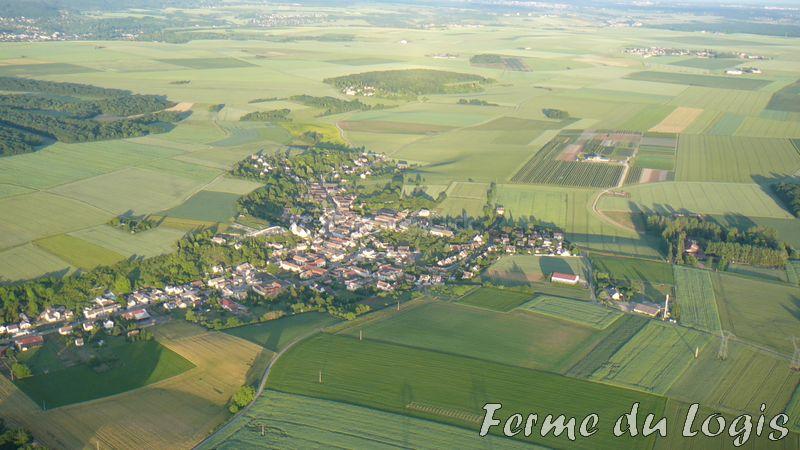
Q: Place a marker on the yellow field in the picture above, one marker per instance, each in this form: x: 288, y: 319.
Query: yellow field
x: 175, y: 413
x: 678, y: 120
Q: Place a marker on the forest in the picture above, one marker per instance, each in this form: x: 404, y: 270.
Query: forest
x: 333, y: 105
x: 35, y: 111
x: 411, y: 82
x: 789, y: 193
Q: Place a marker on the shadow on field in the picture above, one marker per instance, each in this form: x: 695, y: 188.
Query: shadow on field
x: 795, y: 312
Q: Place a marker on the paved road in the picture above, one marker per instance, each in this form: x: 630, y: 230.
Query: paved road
x: 261, y: 386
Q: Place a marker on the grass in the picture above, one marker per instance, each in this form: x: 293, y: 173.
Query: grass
x: 582, y: 313
x: 770, y: 320
x: 653, y: 359
x: 694, y: 293
x: 78, y: 252
x: 29, y: 261
x: 623, y: 331
x: 131, y: 365
x: 793, y: 410
x: 207, y: 206
x: 495, y: 299
x: 708, y: 63
x: 153, y: 242
x: 632, y: 269
x: 734, y: 159
x: 399, y: 377
x: 745, y: 84
x: 297, y: 421
x: 518, y: 339
x: 44, y: 69
x: 276, y: 334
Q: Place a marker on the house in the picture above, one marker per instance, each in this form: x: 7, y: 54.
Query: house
x: 136, y: 315
x: 65, y: 330
x: 28, y: 342
x: 88, y: 326
x: 232, y: 306
x: 79, y: 342
x: 384, y: 286
x: 441, y: 232
x: 563, y: 278
x: 269, y: 290
x: 108, y: 324
x: 646, y: 310
x: 216, y: 283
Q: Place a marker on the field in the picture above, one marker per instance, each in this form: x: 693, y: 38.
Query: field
x: 734, y: 199
x: 625, y: 329
x: 653, y: 359
x: 771, y: 321
x: 745, y: 84
x: 517, y: 338
x: 79, y: 253
x: 207, y: 206
x: 494, y: 299
x: 734, y: 159
x: 707, y: 63
x: 153, y: 242
x: 582, y: 313
x: 297, y: 421
x: 694, y: 294
x: 678, y: 120
x: 631, y: 269
x: 525, y: 269
x: 399, y: 378
x: 275, y: 335
x: 196, y: 399
x: 743, y: 381
x: 134, y: 365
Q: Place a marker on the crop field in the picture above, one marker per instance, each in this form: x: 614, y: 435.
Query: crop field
x: 793, y: 272
x: 526, y: 269
x: 276, y: 334
x: 582, y: 313
x: 678, y: 120
x: 399, y: 377
x: 769, y: 128
x: 653, y: 359
x: 764, y: 322
x: 749, y: 200
x: 743, y: 381
x: 676, y: 412
x: 765, y: 273
x: 297, y: 421
x: 495, y: 299
x: 153, y: 242
x: 544, y: 168
x: 694, y: 293
x: 726, y: 125
x: 138, y: 190
x: 78, y: 252
x: 506, y: 338
x: 708, y: 63
x: 793, y: 410
x: 745, y: 84
x: 620, y: 333
x: 721, y: 100
x: 29, y: 261
x: 207, y: 206
x: 632, y: 269
x: 734, y: 159
x: 135, y: 365
x: 207, y: 63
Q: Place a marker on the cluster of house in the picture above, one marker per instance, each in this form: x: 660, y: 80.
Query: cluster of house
x: 538, y: 241
x: 649, y: 52
x: 366, y: 91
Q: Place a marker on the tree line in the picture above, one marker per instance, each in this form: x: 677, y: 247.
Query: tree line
x: 789, y: 193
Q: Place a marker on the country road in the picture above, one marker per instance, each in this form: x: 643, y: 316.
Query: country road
x: 261, y: 386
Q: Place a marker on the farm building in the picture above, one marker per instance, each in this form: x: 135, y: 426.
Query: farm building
x: 563, y: 278
x: 28, y: 342
x: 646, y: 310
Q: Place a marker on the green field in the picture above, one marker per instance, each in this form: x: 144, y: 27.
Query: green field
x: 582, y: 313
x: 525, y: 269
x: 707, y: 63
x: 694, y: 294
x: 121, y: 367
x: 518, y: 339
x: 447, y: 388
x: 78, y: 252
x: 623, y: 331
x: 153, y: 242
x: 770, y: 321
x: 745, y: 84
x: 631, y: 269
x: 297, y: 421
x: 734, y: 159
x: 276, y: 334
x: 653, y: 359
x: 207, y: 206
x: 495, y: 299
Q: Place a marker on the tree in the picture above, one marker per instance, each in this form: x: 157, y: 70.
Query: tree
x: 243, y: 397
x: 20, y: 370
